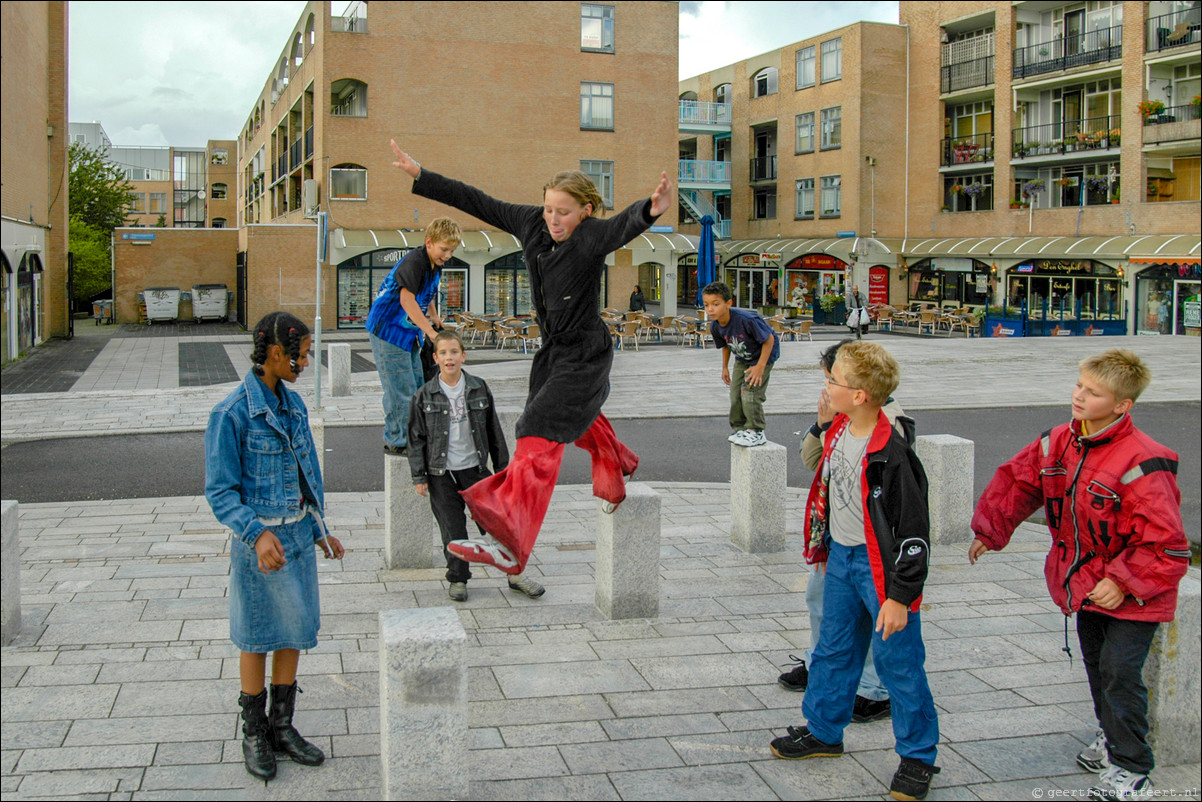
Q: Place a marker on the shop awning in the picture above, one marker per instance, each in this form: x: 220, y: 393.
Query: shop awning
x: 841, y: 247
x: 1123, y: 247
x: 374, y: 238
x: 1168, y: 261
x: 656, y: 241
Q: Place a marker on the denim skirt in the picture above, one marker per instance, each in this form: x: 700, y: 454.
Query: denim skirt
x: 278, y: 610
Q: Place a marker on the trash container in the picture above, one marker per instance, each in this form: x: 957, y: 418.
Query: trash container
x: 102, y: 311
x: 162, y: 303
x: 210, y: 302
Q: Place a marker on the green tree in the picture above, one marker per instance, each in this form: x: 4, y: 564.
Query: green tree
x: 99, y: 191
x: 93, y: 272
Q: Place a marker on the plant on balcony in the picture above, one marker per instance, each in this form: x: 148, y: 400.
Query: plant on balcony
x: 1115, y: 135
x: 1033, y: 186
x: 1064, y: 182
x: 974, y: 190
x: 1196, y: 105
x: 1151, y: 108
x: 1097, y: 183
x: 956, y: 189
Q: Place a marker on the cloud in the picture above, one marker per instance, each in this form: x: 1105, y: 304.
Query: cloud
x: 147, y: 135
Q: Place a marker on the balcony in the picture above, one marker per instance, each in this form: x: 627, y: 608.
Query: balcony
x: 967, y: 63
x: 704, y: 174
x: 1173, y: 124
x: 1079, y: 50
x: 308, y: 143
x: 1174, y: 30
x: 295, y: 151
x: 763, y: 169
x: 1091, y: 136
x: 700, y: 117
x: 966, y: 150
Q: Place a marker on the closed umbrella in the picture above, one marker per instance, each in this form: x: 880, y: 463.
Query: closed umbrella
x: 705, y: 256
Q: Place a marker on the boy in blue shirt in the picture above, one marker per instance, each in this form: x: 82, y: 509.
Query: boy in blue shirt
x: 746, y: 335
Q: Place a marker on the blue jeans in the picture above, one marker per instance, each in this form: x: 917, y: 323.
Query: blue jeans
x: 400, y: 376
x: 847, y: 630
x: 870, y: 683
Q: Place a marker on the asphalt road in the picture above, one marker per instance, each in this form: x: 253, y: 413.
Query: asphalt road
x: 671, y: 449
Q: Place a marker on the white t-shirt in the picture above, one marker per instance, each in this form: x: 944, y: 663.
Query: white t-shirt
x: 461, y: 449
x: 843, y: 489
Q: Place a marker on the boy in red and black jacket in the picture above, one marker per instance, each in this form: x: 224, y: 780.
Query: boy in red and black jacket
x: 1118, y: 550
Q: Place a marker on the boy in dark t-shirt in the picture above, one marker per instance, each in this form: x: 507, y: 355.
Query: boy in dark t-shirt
x: 746, y: 335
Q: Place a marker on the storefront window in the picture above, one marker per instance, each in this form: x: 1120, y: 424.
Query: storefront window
x: 950, y: 281
x: 1066, y: 289
x: 686, y: 282
x: 360, y: 277
x: 507, y: 287
x: 812, y: 276
x: 1168, y: 303
x: 651, y: 281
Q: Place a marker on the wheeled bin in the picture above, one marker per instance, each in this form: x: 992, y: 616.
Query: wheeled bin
x: 162, y: 303
x: 210, y: 302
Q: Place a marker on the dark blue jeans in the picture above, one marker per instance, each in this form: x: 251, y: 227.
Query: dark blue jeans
x: 1114, y: 651
x: 850, y: 607
x: 448, y: 509
x: 400, y: 376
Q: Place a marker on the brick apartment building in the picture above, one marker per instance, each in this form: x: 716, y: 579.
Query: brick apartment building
x: 501, y: 96
x: 979, y: 153
x: 33, y: 175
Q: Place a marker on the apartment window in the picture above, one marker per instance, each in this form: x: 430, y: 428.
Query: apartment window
x: 832, y: 201
x: 805, y: 199
x: 602, y: 176
x: 805, y: 132
x: 596, y: 28
x: 597, y: 106
x: 722, y: 94
x: 137, y: 202
x: 158, y: 202
x: 764, y: 204
x: 218, y: 191
x: 832, y: 128
x: 764, y: 82
x: 348, y: 98
x: 722, y: 149
x: 805, y: 67
x: 218, y: 222
x: 832, y: 60
x: 968, y: 193
x: 348, y: 182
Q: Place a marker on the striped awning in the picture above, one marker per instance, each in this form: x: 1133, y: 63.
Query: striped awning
x: 1125, y: 247
x: 841, y: 247
x: 683, y: 243
x: 370, y: 239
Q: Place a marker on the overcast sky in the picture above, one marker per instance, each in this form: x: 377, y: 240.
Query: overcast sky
x: 182, y: 73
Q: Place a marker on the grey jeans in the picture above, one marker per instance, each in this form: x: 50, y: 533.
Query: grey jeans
x: 747, y: 403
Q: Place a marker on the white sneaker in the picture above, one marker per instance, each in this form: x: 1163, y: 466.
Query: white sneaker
x: 1119, y: 783
x: 489, y: 552
x: 749, y: 438
x: 734, y: 437
x: 1095, y: 757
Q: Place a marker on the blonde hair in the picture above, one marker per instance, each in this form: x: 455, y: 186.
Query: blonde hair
x: 449, y: 335
x: 869, y: 367
x: 579, y: 186
x: 1120, y: 371
x: 444, y: 229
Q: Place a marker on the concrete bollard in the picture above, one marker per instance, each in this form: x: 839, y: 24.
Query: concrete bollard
x: 1171, y: 674
x: 757, y: 497
x: 340, y: 369
x: 509, y: 422
x: 10, y: 574
x: 423, y: 704
x: 627, y: 572
x: 317, y: 426
x: 408, y: 519
x: 948, y: 463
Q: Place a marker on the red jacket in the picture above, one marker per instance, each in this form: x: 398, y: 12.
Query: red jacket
x: 893, y: 487
x: 1114, y: 511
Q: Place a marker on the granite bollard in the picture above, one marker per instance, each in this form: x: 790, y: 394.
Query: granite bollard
x: 627, y: 572
x: 408, y: 519
x: 317, y: 426
x: 423, y: 704
x: 757, y: 497
x: 508, y: 417
x: 340, y: 369
x: 10, y: 574
x: 948, y: 463
x: 1172, y: 677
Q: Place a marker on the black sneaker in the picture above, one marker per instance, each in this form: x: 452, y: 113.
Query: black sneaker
x: 396, y: 451
x: 797, y: 678
x: 800, y: 744
x: 870, y: 710
x: 912, y: 780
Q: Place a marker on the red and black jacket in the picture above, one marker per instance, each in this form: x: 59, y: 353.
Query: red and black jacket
x: 1114, y: 511
x: 893, y: 487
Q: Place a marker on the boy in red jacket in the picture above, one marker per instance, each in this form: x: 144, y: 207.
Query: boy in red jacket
x: 1118, y: 550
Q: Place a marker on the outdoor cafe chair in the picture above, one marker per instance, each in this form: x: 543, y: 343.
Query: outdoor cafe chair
x: 629, y: 330
x: 531, y: 337
x: 927, y: 321
x: 505, y: 333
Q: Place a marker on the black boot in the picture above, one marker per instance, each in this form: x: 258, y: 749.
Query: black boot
x: 284, y: 737
x: 256, y: 743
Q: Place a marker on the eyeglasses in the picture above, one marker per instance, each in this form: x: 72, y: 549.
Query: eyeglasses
x: 830, y: 380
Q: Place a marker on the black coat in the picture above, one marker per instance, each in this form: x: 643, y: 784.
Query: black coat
x: 569, y: 380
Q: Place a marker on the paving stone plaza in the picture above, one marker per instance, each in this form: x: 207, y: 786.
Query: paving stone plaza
x: 122, y: 683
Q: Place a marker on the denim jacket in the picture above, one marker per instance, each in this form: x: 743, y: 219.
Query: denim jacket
x: 430, y: 428
x: 253, y: 460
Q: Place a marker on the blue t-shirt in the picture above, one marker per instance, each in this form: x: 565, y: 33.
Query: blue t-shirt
x: 387, y: 318
x: 744, y: 334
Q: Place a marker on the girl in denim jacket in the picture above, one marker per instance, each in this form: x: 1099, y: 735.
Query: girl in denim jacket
x: 263, y: 481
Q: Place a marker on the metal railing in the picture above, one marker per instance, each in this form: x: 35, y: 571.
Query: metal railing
x: 294, y: 154
x: 700, y: 112
x: 966, y: 74
x: 763, y: 169
x: 308, y: 142
x: 1174, y: 124
x: 1091, y: 47
x: 974, y: 149
x: 704, y: 172
x: 1174, y: 30
x: 1070, y: 136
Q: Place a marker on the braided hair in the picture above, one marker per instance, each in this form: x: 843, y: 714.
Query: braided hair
x: 277, y: 328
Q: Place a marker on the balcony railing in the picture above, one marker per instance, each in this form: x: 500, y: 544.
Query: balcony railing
x: 1070, y: 136
x: 1092, y: 47
x: 308, y: 142
x: 704, y: 172
x: 294, y: 154
x: 281, y: 168
x: 763, y: 169
x: 1174, y: 30
x: 699, y: 112
x: 966, y: 74
x: 967, y: 150
x: 1174, y: 124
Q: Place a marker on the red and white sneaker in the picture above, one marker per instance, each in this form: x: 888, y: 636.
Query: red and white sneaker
x: 487, y: 552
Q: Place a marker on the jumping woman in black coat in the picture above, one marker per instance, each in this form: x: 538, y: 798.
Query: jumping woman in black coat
x: 565, y: 248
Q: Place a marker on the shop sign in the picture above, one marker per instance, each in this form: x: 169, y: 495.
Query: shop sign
x: 1064, y: 266
x: 770, y: 257
x: 952, y: 265
x: 1025, y: 269
x: 749, y: 260
x: 1192, y: 314
x: 878, y: 285
x: 688, y: 261
x: 982, y: 283
x: 820, y: 261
